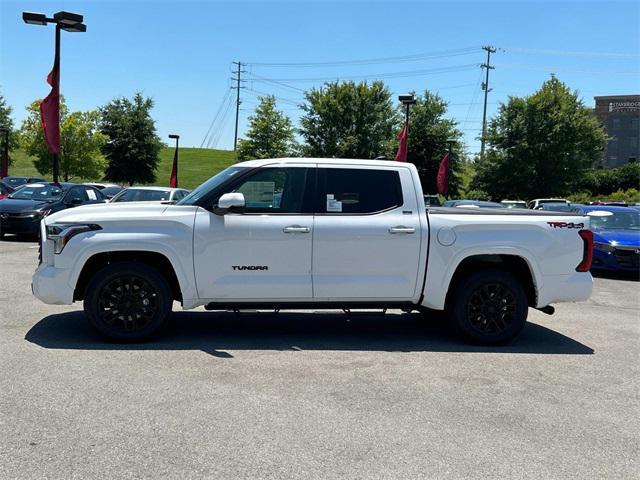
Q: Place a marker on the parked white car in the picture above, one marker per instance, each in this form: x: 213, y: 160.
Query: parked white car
x: 150, y: 194
x: 537, y: 203
x: 514, y: 203
x: 312, y: 233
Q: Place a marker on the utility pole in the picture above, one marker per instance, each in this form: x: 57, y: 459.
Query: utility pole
x: 237, y: 78
x: 485, y: 86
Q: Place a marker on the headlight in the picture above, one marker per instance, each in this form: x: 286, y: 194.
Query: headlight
x: 604, y: 246
x: 60, y: 234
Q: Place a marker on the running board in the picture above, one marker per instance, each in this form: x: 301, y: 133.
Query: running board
x: 309, y: 306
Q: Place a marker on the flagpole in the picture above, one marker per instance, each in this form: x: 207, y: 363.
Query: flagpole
x: 69, y: 22
x: 4, y: 162
x: 56, y: 67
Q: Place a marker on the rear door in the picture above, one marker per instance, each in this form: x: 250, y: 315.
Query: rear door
x: 366, y: 242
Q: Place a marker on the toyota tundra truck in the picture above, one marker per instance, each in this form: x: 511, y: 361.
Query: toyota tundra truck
x: 312, y: 233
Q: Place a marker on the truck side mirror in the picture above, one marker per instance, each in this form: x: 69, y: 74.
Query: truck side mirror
x: 229, y: 202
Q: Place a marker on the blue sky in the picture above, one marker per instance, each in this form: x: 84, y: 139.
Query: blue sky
x: 180, y: 53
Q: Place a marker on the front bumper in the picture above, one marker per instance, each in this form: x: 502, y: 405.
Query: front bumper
x: 20, y: 225
x: 51, y: 285
x: 627, y: 260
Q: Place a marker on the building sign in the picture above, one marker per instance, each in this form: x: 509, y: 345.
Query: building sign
x: 624, y: 106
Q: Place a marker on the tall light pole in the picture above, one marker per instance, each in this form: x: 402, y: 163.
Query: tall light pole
x: 69, y: 22
x: 407, y: 100
x: 173, y: 182
x: 402, y: 155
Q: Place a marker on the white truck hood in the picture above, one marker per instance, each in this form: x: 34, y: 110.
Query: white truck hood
x: 120, y: 212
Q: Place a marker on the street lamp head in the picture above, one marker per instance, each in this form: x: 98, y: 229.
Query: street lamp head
x: 73, y: 27
x: 33, y: 18
x: 67, y: 18
x: 407, y: 99
x: 173, y: 135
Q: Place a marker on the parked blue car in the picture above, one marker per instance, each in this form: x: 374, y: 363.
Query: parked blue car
x: 616, y: 237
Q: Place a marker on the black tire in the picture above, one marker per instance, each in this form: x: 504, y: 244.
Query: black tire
x: 128, y: 302
x: 488, y: 307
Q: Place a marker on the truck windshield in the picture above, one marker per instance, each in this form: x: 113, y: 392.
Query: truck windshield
x: 209, y: 185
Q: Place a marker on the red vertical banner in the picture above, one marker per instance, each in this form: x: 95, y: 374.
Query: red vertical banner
x: 173, y: 182
x: 50, y: 111
x: 403, y: 148
x: 442, y: 181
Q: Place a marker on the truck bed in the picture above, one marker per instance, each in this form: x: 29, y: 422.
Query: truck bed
x: 498, y: 211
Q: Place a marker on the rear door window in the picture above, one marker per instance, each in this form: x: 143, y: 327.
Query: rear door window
x: 358, y: 191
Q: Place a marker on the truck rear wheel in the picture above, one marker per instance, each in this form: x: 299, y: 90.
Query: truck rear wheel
x: 489, y: 307
x: 128, y: 302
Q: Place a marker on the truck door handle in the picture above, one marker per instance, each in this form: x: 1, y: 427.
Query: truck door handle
x: 296, y: 229
x: 402, y: 229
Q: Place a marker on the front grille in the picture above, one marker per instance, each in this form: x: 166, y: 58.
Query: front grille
x: 628, y: 258
x: 40, y: 250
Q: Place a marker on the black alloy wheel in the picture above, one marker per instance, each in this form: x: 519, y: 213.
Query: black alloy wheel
x: 128, y: 301
x: 488, y: 307
x: 491, y: 308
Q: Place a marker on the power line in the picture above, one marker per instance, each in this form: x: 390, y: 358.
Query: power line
x: 408, y: 73
x: 223, y: 122
x: 225, y: 98
x: 534, y: 51
x: 371, y: 61
x: 568, y: 70
x: 285, y: 100
x: 258, y: 78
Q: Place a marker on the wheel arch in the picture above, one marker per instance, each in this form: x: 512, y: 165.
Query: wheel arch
x: 516, y: 265
x: 155, y: 260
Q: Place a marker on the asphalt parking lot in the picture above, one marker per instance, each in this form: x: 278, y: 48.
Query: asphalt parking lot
x: 317, y: 395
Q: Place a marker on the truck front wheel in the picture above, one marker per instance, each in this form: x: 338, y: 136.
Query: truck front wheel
x: 128, y: 301
x: 488, y: 307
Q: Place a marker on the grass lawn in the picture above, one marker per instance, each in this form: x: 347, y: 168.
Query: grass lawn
x: 195, y: 165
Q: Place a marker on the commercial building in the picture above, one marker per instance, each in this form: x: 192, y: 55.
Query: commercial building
x: 620, y: 115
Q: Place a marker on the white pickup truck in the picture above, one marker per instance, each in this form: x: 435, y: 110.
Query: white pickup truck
x: 312, y: 233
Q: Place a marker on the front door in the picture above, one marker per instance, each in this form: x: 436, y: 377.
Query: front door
x: 265, y: 251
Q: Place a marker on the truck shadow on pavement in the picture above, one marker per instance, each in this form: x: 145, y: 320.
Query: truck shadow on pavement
x: 216, y: 333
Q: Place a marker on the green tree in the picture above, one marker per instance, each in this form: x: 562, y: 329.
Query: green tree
x: 349, y: 120
x: 134, y: 146
x: 429, y: 131
x: 80, y: 143
x: 540, y: 146
x: 270, y: 133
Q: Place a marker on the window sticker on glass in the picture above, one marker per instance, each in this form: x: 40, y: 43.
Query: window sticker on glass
x: 259, y: 194
x: 91, y: 194
x: 333, y: 205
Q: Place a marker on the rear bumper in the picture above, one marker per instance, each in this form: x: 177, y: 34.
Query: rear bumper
x: 574, y: 287
x: 50, y: 285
